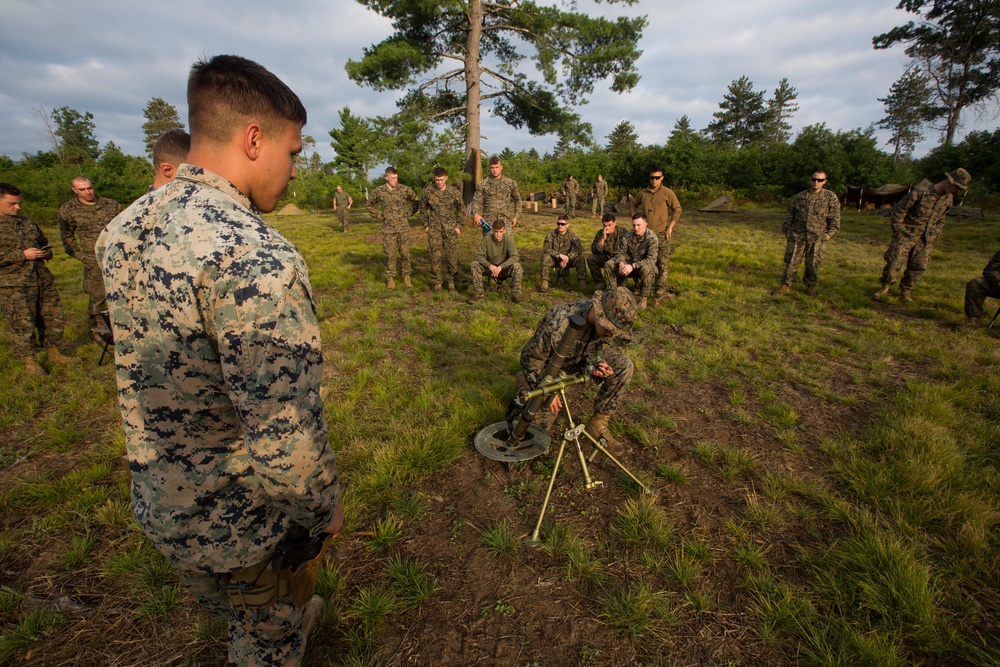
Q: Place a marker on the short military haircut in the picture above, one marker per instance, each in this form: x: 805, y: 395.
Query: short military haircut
x: 228, y: 92
x: 78, y: 179
x: 637, y: 216
x: 8, y: 189
x: 654, y: 170
x: 609, y: 217
x: 495, y: 160
x: 499, y: 224
x: 440, y: 171
x: 562, y: 218
x: 171, y: 148
x: 391, y: 170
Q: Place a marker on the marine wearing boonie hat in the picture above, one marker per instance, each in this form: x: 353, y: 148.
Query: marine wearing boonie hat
x: 960, y: 177
x: 616, y: 310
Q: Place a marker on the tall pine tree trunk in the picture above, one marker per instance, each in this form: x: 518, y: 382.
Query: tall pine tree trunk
x: 473, y: 97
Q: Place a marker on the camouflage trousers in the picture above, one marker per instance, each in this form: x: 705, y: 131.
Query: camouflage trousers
x: 514, y: 272
x: 396, y: 246
x: 580, y: 264
x: 662, y: 264
x: 570, y: 205
x: 271, y: 636
x: 342, y: 216
x: 644, y: 277
x: 596, y: 264
x: 597, y: 206
x: 27, y: 309
x: 799, y: 248
x: 93, y: 285
x: 440, y: 242
x: 976, y: 291
x: 915, y: 253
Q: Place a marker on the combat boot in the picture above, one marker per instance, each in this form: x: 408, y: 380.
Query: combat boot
x: 516, y: 297
x: 881, y: 293
x: 57, y: 357
x: 811, y: 290
x: 390, y: 283
x: 784, y: 289
x: 970, y: 323
x: 476, y: 296
x: 643, y: 303
x: 406, y: 281
x: 32, y: 367
x: 451, y: 286
x: 310, y: 619
x: 662, y: 297
x: 904, y: 296
x: 544, y: 286
x: 597, y: 428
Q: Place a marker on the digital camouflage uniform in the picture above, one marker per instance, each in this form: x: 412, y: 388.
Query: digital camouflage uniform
x: 568, y: 244
x: 600, y: 196
x: 502, y: 254
x: 79, y: 226
x: 917, y: 220
x: 977, y: 289
x: 441, y: 211
x: 810, y: 217
x: 660, y: 208
x: 343, y: 200
x: 497, y: 199
x: 397, y: 205
x: 218, y: 361
x: 602, y: 250
x: 28, y: 297
x: 587, y: 352
x: 639, y: 251
x: 571, y: 188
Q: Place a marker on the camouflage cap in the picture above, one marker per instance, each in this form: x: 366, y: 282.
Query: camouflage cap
x: 616, y: 310
x: 959, y: 177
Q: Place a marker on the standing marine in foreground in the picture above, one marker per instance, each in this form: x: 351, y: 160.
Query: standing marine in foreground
x: 812, y: 219
x: 218, y: 361
x: 393, y: 203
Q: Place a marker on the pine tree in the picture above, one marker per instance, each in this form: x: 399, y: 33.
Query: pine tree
x: 355, y: 143
x: 77, y: 141
x: 161, y: 116
x: 742, y: 115
x: 906, y: 110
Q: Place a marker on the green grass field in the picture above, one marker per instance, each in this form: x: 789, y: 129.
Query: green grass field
x: 828, y: 470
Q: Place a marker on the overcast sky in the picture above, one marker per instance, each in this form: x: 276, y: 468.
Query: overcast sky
x: 111, y: 57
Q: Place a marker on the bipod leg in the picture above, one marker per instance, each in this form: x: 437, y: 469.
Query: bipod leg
x: 648, y: 490
x: 573, y: 433
x: 533, y: 541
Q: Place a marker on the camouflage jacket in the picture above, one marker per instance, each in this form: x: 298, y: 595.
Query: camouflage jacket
x: 562, y: 244
x: 502, y: 254
x: 441, y: 209
x: 397, y: 205
x: 17, y: 234
x: 497, y: 199
x: 571, y: 186
x: 659, y: 208
x: 921, y: 213
x: 218, y: 361
x: 601, y: 188
x: 639, y: 251
x: 811, y: 215
x: 991, y: 274
x: 536, y: 352
x: 612, y: 244
x: 80, y: 224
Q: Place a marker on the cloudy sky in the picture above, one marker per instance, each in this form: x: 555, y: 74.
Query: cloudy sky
x: 110, y: 57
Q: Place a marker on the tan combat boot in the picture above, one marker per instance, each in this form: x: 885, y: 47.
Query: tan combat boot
x: 597, y: 428
x: 643, y: 303
x: 32, y: 367
x: 57, y: 357
x: 310, y: 619
x: 904, y: 296
x: 406, y: 281
x: 451, y: 286
x: 881, y: 293
x: 970, y: 323
x: 784, y: 289
x: 391, y: 283
x: 544, y: 286
x: 437, y: 287
x: 811, y: 290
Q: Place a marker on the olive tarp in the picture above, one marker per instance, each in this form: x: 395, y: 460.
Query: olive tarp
x: 721, y: 204
x: 887, y: 195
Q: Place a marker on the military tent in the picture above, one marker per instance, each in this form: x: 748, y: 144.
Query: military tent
x: 721, y: 204
x: 883, y: 197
